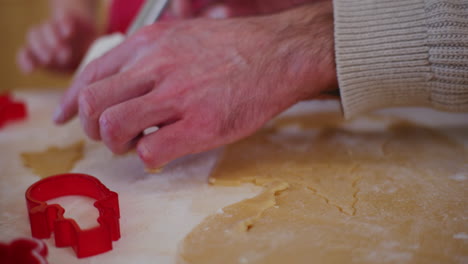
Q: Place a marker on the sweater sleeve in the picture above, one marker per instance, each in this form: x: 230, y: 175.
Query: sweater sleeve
x: 402, y: 53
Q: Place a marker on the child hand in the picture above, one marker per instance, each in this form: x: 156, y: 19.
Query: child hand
x: 57, y: 44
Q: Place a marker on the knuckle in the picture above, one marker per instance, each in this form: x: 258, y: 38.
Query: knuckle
x: 86, y: 102
x: 110, y: 131
x: 146, y: 35
x: 142, y: 36
x: 47, y: 55
x: 163, y: 26
x: 145, y: 154
x: 89, y: 72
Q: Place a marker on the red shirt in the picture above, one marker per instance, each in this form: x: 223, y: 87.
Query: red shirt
x: 122, y: 13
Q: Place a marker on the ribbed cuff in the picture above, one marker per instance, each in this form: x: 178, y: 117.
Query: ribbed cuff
x: 382, y: 55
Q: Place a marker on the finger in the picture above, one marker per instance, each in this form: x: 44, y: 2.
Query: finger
x: 64, y: 55
x: 166, y: 144
x: 38, y: 46
x: 121, y: 125
x: 60, y: 54
x: 61, y: 50
x: 50, y: 35
x: 103, y: 67
x: 25, y: 61
x: 64, y: 24
x: 96, y: 98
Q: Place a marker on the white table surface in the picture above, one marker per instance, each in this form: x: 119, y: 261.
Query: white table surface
x: 157, y: 211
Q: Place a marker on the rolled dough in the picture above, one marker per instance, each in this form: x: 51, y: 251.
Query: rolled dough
x: 54, y: 160
x: 336, y: 195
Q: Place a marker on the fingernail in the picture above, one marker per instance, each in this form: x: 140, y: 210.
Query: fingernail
x: 58, y: 114
x: 142, y: 152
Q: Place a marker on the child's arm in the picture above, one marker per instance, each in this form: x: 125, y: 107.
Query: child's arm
x: 59, y: 43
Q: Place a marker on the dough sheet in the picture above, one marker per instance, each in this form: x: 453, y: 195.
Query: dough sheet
x: 54, y: 160
x: 333, y: 194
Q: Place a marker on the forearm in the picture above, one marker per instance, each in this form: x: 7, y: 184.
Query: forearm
x: 308, y: 32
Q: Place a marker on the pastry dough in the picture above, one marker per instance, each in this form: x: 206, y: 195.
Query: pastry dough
x: 54, y: 160
x: 336, y: 195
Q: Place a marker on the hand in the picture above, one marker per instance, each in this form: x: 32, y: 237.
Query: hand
x: 229, y: 8
x: 205, y: 83
x: 58, y: 44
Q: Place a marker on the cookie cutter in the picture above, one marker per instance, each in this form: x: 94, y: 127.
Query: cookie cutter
x: 45, y: 219
x: 10, y: 110
x: 24, y: 251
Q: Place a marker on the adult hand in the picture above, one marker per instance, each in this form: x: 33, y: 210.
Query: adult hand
x: 205, y: 83
x: 230, y: 8
x: 58, y: 44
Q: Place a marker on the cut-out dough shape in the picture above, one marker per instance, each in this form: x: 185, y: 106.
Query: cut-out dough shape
x: 351, y: 197
x: 54, y: 160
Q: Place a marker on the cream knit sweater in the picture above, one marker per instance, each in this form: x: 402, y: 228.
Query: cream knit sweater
x: 402, y: 53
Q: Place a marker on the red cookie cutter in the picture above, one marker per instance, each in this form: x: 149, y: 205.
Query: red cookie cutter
x: 45, y: 219
x: 10, y: 110
x: 23, y: 251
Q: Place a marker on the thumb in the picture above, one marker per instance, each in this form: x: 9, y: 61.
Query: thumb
x: 166, y: 144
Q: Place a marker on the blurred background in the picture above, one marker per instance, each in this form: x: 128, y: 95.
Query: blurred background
x: 16, y: 17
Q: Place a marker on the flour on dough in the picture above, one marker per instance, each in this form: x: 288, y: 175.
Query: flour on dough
x: 381, y: 196
x: 154, y: 171
x: 54, y: 160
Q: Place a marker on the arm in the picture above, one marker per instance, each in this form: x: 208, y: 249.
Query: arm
x: 231, y: 8
x: 401, y: 53
x: 232, y: 76
x: 59, y: 43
